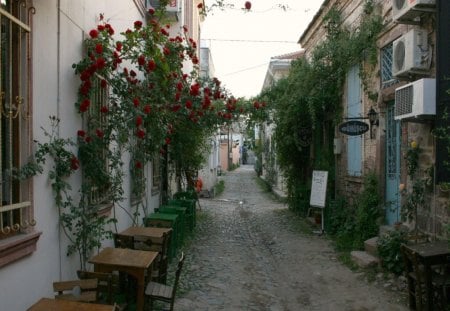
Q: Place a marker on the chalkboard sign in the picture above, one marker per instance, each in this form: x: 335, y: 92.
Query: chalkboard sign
x: 318, y: 189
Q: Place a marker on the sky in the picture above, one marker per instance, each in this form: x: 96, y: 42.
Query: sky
x: 242, y: 42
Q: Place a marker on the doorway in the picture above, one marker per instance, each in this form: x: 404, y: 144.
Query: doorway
x: 393, y: 139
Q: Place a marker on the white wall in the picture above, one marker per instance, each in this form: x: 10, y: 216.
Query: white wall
x: 57, y: 43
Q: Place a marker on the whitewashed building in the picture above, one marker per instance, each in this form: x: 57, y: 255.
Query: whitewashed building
x: 40, y: 42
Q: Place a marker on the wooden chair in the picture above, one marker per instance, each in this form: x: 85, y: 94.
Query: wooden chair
x: 415, y: 278
x: 415, y: 274
x: 77, y: 290
x: 104, y: 286
x: 161, y: 292
x: 159, y: 273
x: 123, y: 241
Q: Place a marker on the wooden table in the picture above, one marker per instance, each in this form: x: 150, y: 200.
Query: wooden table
x: 431, y: 254
x: 50, y: 304
x: 133, y: 262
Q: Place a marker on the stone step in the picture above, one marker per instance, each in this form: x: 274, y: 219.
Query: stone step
x: 371, y: 246
x: 363, y: 259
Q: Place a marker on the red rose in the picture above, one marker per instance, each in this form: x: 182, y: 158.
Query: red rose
x: 99, y: 48
x: 164, y: 32
x: 195, y: 60
x: 151, y: 65
x: 177, y: 96
x: 147, y: 109
x: 136, y: 102
x: 74, y: 163
x: 100, y: 27
x: 93, y: 33
x: 166, y: 51
x: 103, y: 83
x: 119, y: 46
x: 138, y: 121
x: 104, y: 109
x: 179, y: 86
x: 141, y: 60
x: 200, y: 5
x: 88, y: 139
x: 185, y: 29
x: 175, y: 108
x: 256, y: 105
x: 81, y: 133
x: 100, y: 63
x: 151, y: 11
x: 99, y: 133
x: 110, y: 29
x: 140, y: 133
x: 85, y: 105
x: 248, y: 5
x: 138, y: 164
x: 188, y: 104
x: 168, y: 140
x: 137, y: 24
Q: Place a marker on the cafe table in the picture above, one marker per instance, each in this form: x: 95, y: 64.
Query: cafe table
x: 131, y: 261
x: 431, y: 254
x: 51, y: 304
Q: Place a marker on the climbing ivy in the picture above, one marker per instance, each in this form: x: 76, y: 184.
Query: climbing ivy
x: 307, y: 104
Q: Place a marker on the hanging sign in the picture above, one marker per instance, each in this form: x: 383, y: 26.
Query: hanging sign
x: 353, y: 128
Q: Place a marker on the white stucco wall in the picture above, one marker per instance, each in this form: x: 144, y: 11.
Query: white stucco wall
x: 59, y: 28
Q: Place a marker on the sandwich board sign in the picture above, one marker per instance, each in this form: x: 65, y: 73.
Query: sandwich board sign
x: 319, y: 192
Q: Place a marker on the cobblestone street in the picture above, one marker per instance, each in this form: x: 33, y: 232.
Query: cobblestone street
x: 259, y: 256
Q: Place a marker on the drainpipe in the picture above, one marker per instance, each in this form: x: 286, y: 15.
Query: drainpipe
x: 58, y: 100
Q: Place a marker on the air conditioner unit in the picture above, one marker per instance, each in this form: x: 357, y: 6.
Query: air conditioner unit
x: 173, y: 7
x: 416, y: 100
x: 411, y: 54
x: 405, y: 11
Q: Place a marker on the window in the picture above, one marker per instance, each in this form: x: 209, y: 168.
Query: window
x: 156, y: 174
x: 386, y: 67
x: 17, y: 237
x: 96, y: 118
x: 354, y: 143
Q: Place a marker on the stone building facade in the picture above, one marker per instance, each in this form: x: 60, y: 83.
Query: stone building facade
x: 384, y: 149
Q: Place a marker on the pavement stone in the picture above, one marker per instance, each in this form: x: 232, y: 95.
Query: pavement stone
x: 255, y: 256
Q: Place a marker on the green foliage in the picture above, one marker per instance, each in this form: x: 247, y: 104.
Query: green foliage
x: 307, y: 104
x: 335, y: 215
x: 219, y: 187
x: 81, y: 222
x: 389, y: 250
x: 368, y: 211
x: 352, y: 225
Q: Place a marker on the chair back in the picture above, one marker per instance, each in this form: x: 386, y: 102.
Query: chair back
x: 104, y: 285
x: 177, y: 277
x: 159, y: 223
x: 123, y: 241
x: 77, y: 290
x: 145, y: 243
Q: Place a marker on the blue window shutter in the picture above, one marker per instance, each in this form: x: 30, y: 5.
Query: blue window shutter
x: 354, y: 143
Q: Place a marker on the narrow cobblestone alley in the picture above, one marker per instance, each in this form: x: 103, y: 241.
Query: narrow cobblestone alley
x: 254, y: 256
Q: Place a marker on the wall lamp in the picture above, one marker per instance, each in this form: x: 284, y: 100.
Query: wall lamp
x: 372, y: 115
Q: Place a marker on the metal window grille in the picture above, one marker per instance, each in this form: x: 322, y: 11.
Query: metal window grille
x: 97, y: 119
x: 387, y: 78
x: 15, y: 131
